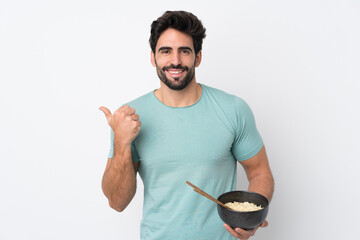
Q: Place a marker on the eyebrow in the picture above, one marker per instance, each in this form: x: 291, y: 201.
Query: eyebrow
x: 170, y: 48
x: 185, y: 48
x: 164, y: 48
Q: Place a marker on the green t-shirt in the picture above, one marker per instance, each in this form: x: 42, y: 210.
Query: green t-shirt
x: 200, y: 144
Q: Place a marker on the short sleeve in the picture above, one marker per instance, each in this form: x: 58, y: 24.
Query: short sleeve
x: 248, y: 141
x: 134, y: 155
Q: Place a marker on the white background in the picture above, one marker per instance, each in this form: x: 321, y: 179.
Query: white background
x: 295, y: 62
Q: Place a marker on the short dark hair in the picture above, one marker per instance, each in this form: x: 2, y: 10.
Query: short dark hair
x: 182, y: 21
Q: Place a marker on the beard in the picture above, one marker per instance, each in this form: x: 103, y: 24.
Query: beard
x: 177, y: 83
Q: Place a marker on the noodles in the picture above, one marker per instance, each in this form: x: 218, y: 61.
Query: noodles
x: 243, y: 206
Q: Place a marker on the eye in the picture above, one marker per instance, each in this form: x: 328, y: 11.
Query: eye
x: 185, y: 52
x: 165, y: 51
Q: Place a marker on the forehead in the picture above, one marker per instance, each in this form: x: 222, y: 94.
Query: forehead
x: 174, y: 39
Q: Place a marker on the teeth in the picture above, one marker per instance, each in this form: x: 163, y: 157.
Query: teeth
x: 175, y: 72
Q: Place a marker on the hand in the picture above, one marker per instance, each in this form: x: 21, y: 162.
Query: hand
x: 243, y: 234
x: 124, y: 123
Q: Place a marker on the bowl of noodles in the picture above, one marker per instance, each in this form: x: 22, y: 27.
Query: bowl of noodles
x: 248, y: 209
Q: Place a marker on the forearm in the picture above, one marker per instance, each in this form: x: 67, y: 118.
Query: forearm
x: 263, y: 184
x: 119, y: 180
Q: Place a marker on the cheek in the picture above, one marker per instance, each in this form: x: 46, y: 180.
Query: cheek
x: 159, y: 62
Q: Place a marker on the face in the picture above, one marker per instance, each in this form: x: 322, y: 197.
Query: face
x: 175, y: 59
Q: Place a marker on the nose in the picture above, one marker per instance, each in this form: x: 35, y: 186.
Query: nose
x: 176, y: 58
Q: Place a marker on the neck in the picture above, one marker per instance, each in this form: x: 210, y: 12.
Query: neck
x: 179, y: 98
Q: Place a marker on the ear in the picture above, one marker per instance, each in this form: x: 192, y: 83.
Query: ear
x: 153, y: 59
x: 198, y: 59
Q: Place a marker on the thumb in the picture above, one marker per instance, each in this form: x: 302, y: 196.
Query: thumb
x: 106, y: 111
x: 264, y: 224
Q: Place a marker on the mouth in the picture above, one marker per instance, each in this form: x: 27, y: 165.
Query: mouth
x: 175, y: 73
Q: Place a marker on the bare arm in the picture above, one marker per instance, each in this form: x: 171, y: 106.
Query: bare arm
x: 258, y: 172
x: 261, y: 181
x: 119, y: 179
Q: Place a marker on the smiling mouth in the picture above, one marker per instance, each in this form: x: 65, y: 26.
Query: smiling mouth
x: 175, y: 73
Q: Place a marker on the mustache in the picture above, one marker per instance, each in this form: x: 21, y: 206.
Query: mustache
x: 175, y: 67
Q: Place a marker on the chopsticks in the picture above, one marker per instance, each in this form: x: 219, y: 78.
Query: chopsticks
x: 201, y: 192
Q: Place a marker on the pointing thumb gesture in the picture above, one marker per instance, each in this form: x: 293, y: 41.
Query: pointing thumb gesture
x: 124, y: 123
x: 107, y: 113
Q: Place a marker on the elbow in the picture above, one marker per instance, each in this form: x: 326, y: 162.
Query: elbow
x: 116, y: 206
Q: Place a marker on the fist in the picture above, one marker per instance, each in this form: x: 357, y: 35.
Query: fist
x: 124, y: 123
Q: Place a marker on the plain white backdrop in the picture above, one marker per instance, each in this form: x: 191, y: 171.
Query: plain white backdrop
x: 295, y: 62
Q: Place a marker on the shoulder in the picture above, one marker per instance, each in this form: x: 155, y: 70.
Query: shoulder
x: 141, y: 102
x: 227, y: 101
x: 236, y: 111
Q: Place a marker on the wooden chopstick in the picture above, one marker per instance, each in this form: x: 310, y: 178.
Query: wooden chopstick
x: 198, y: 190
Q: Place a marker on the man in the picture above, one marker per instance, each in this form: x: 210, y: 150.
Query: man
x: 188, y: 132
